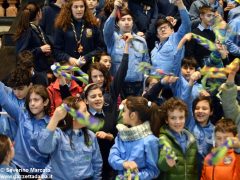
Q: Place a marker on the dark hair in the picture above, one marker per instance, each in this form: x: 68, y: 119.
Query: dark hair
x: 98, y: 56
x: 161, y: 22
x: 144, y: 110
x: 226, y: 126
x: 19, y: 77
x: 124, y: 12
x: 25, y: 60
x: 205, y: 9
x: 189, y: 62
x: 41, y: 91
x: 106, y: 74
x: 89, y: 88
x: 67, y: 122
x: 64, y: 18
x: 28, y: 14
x: 5, y: 147
x: 202, y: 98
x: 148, y: 80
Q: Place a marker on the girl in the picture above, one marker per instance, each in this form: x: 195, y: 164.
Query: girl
x: 104, y: 58
x: 136, y: 148
x: 173, y: 115
x: 8, y: 170
x: 76, y: 34
x: 29, y: 36
x: 73, y: 148
x: 29, y: 123
x: 115, y: 47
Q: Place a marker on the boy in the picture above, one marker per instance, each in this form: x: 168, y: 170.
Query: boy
x: 163, y: 55
x: 19, y: 84
x: 204, y: 29
x: 229, y: 167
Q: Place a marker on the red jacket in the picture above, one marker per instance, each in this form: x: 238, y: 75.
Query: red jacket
x: 227, y: 169
x: 55, y: 96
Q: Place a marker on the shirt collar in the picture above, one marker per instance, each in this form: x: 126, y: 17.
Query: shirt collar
x: 72, y: 132
x: 94, y: 112
x: 201, y: 28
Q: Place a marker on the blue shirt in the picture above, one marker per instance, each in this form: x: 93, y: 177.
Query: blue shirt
x: 138, y: 51
x: 7, y: 125
x: 27, y: 154
x: 143, y: 151
x: 163, y: 55
x: 181, y: 138
x: 70, y: 157
x: 8, y: 172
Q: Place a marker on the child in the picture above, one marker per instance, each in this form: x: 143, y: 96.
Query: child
x: 8, y: 170
x: 163, y: 54
x: 54, y: 89
x: 29, y: 36
x: 92, y: 4
x: 229, y: 167
x: 104, y: 58
x: 29, y: 123
x: 73, y: 148
x: 25, y: 60
x: 195, y: 12
x: 182, y: 142
x: 136, y: 148
x: 19, y: 84
x: 204, y: 29
x: 115, y: 46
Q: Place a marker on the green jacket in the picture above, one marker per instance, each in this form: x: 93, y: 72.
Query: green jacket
x: 186, y: 163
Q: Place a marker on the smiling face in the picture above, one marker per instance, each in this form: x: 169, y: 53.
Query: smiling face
x: 202, y: 112
x: 78, y: 9
x: 95, y: 99
x: 176, y: 120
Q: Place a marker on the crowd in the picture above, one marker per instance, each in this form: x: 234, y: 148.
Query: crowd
x: 123, y: 89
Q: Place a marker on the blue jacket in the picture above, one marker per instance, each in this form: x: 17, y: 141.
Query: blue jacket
x: 115, y: 46
x: 204, y: 134
x: 234, y: 24
x: 27, y: 154
x: 31, y: 41
x: 143, y: 151
x: 49, y: 14
x: 163, y: 55
x: 65, y: 44
x: 9, y: 172
x: 70, y: 157
x: 8, y: 126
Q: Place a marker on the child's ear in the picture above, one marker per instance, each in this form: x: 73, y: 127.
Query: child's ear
x: 85, y: 100
x: 45, y: 103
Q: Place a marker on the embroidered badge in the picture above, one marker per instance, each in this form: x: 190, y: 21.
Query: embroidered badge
x: 89, y: 33
x: 227, y: 160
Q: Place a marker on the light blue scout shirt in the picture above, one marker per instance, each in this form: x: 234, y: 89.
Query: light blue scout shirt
x: 7, y: 125
x: 9, y: 172
x: 70, y: 158
x: 138, y: 51
x: 27, y: 155
x: 162, y: 56
x: 136, y: 144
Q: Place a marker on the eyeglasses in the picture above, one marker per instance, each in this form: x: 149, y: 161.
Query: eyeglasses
x: 163, y: 28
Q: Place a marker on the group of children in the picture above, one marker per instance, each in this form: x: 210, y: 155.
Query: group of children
x: 64, y: 128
